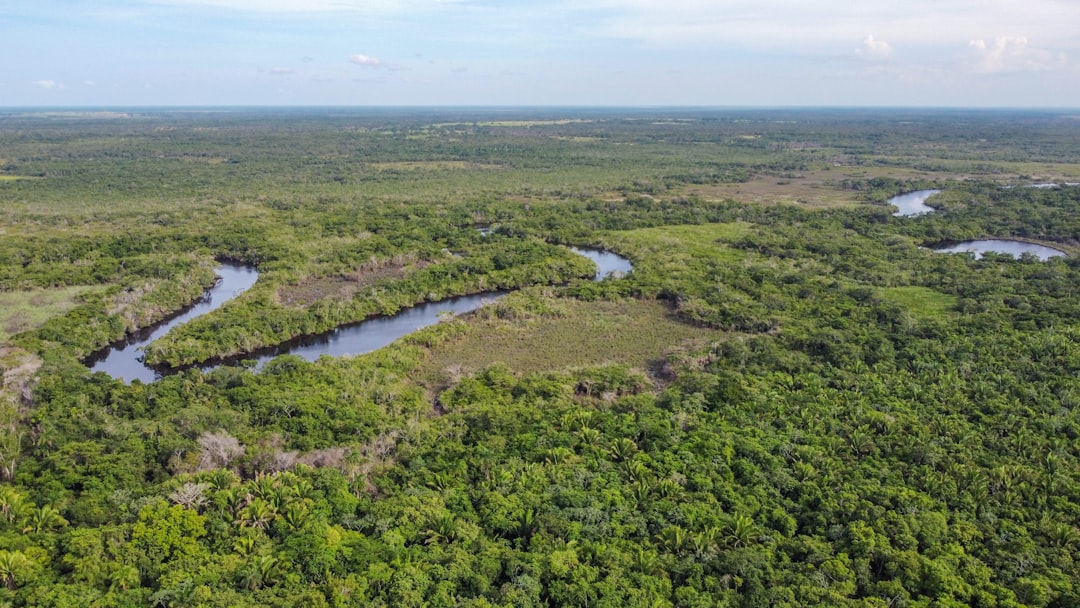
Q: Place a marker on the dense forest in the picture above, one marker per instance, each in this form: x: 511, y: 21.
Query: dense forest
x: 792, y: 399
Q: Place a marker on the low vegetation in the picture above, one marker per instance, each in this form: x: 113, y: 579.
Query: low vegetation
x: 558, y: 334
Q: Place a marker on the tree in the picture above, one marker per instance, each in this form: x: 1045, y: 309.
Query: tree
x: 15, y: 568
x: 123, y: 578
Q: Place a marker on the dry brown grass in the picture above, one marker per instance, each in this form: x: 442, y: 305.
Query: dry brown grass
x: 815, y: 189
x: 344, y: 286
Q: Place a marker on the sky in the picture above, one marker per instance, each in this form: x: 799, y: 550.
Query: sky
x: 938, y: 53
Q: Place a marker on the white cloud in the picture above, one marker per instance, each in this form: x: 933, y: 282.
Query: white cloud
x: 874, y: 49
x: 47, y: 84
x: 366, y: 61
x: 282, y: 71
x: 1013, y: 54
x: 89, y: 83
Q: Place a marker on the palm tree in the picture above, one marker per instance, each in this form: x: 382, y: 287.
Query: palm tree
x: 527, y: 524
x: 269, y: 568
x: 45, y: 518
x: 559, y: 455
x: 443, y: 529
x: 14, y: 507
x: 672, y: 538
x: 124, y: 578
x: 623, y: 449
x: 646, y: 561
x: 257, y: 514
x: 705, y: 542
x: 244, y: 545
x: 296, y: 515
x: 14, y: 567
x: 741, y: 532
x: 589, y: 437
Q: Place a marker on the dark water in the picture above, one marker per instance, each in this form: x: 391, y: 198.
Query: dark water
x: 912, y: 203
x: 372, y: 334
x: 1015, y: 248
x: 123, y: 360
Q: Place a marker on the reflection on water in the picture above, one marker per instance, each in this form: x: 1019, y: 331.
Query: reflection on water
x: 1014, y: 248
x: 372, y: 334
x: 123, y: 360
x: 608, y: 264
x: 912, y: 203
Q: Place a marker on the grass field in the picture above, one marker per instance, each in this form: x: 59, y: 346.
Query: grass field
x: 23, y: 310
x: 695, y: 240
x: 630, y: 332
x: 921, y: 302
x: 813, y: 189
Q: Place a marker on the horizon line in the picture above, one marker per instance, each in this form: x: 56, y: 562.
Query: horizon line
x: 4, y: 108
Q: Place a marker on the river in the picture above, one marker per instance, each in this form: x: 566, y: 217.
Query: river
x: 124, y: 360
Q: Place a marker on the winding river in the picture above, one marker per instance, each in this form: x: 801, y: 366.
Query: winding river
x: 124, y: 360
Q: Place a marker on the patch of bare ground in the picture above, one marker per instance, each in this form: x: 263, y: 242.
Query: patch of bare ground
x: 343, y: 286
x: 817, y: 188
x: 17, y: 369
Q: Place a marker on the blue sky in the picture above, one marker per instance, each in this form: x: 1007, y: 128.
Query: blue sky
x: 997, y: 53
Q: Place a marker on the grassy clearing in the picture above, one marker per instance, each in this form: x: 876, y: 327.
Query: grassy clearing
x: 11, y: 178
x: 630, y: 332
x: 24, y: 310
x: 344, y: 286
x: 666, y: 257
x: 695, y: 240
x: 921, y: 302
x: 813, y: 189
x: 997, y: 170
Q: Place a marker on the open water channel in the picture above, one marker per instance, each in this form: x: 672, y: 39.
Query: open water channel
x: 123, y: 360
